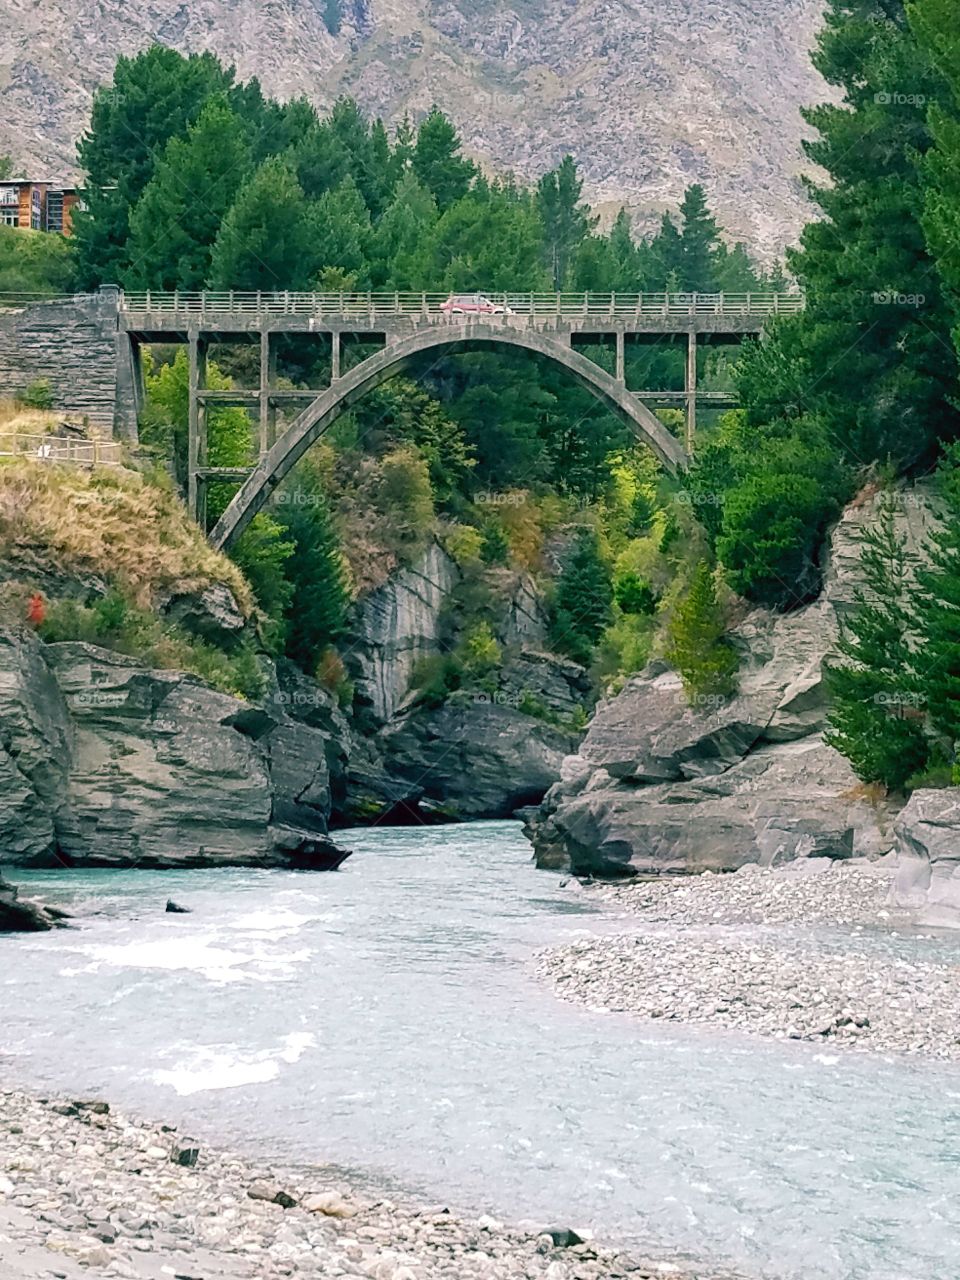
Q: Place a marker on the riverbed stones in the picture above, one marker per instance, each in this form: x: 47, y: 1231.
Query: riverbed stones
x: 738, y: 952
x: 80, y: 1195
x: 17, y: 915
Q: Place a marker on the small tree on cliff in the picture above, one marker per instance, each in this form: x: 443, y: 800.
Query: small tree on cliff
x: 696, y: 643
x: 876, y: 719
x: 583, y: 600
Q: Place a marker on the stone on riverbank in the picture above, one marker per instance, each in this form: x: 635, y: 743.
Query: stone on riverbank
x: 18, y: 916
x: 928, y: 857
x: 84, y: 1193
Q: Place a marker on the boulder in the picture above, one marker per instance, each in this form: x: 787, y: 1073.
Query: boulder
x: 928, y: 857
x: 17, y: 916
x: 35, y: 738
x: 213, y: 614
x: 475, y: 757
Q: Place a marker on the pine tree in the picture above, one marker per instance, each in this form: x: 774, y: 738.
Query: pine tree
x: 935, y: 22
x: 661, y: 257
x: 152, y: 98
x: 584, y: 596
x: 266, y: 238
x: 396, y: 247
x: 875, y: 717
x: 699, y: 243
x: 628, y: 274
x: 438, y: 163
x: 566, y: 219
x: 875, y: 318
x: 317, y: 610
x: 340, y: 231
x: 937, y: 611
x: 696, y: 643
x: 176, y: 221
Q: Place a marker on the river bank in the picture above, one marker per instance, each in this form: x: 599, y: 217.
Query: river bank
x: 86, y: 1191
x: 795, y: 953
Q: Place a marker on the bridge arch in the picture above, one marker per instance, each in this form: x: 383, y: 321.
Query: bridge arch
x: 306, y: 429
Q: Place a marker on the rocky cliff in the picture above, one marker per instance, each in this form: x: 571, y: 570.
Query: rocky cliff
x: 659, y: 786
x: 104, y: 762
x: 649, y: 97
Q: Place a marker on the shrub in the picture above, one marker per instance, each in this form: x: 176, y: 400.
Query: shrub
x: 39, y: 395
x: 634, y: 595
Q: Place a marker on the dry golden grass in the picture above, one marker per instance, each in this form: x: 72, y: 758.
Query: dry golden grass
x: 113, y: 523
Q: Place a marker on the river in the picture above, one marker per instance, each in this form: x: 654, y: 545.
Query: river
x: 386, y: 1018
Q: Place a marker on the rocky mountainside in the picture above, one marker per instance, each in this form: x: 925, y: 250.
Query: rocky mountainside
x: 648, y: 96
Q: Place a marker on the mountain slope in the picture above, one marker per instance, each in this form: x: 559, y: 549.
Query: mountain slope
x: 648, y: 96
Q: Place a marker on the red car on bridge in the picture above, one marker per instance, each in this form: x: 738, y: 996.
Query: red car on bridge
x: 473, y: 304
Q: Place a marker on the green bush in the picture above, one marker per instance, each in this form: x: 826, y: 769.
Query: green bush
x: 696, y: 642
x: 38, y: 395
x: 634, y: 595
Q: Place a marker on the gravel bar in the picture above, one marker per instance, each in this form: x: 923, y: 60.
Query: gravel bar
x: 86, y: 1192
x: 787, y: 953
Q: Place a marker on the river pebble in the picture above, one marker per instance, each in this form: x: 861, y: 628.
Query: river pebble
x: 87, y: 1192
x: 796, y: 975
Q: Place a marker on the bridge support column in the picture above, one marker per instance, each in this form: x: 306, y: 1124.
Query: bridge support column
x: 196, y: 421
x: 268, y: 376
x: 621, y: 358
x: 691, y: 390
x: 335, y: 356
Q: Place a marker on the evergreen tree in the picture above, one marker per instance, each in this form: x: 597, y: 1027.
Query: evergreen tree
x: 696, y: 643
x: 584, y: 596
x: 699, y: 243
x: 317, y: 610
x: 487, y: 240
x: 937, y: 611
x: 174, y: 225
x: 153, y: 97
x: 874, y: 318
x: 396, y: 247
x: 661, y: 257
x: 874, y: 719
x: 340, y: 231
x: 628, y: 273
x: 437, y: 161
x: 935, y: 22
x: 266, y: 238
x: 566, y: 219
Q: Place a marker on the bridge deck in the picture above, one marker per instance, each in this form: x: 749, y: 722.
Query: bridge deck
x: 155, y: 316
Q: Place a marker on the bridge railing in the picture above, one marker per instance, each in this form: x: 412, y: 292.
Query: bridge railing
x: 441, y: 305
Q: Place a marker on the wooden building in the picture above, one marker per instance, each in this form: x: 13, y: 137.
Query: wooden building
x: 37, y: 206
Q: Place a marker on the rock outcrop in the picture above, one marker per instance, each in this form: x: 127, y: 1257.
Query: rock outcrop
x: 106, y: 762
x: 928, y: 857
x: 20, y: 916
x: 393, y: 628
x: 660, y: 786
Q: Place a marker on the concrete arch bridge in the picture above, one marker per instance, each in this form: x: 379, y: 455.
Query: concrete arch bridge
x: 552, y: 326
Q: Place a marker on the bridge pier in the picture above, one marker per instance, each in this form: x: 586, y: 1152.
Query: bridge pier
x: 691, y: 390
x: 621, y: 374
x: 335, y: 350
x: 196, y: 421
x: 268, y: 377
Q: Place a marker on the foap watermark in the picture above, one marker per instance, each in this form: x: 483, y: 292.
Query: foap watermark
x: 894, y: 98
x: 297, y: 498
x: 889, y: 298
x: 512, y: 498
x: 302, y: 698
x: 97, y: 699
x: 501, y: 698
x: 900, y: 699
x: 687, y: 498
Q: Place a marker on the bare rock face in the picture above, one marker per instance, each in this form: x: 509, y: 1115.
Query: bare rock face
x: 928, y: 857
x: 660, y: 786
x: 104, y: 762
x: 649, y: 96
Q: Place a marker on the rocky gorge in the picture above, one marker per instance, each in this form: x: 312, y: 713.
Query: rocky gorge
x: 107, y: 762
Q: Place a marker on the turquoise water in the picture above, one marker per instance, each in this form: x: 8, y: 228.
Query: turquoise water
x: 386, y: 1018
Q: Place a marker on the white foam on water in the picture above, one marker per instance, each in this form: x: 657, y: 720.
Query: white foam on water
x: 194, y: 954
x: 277, y: 924
x: 208, y: 1068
